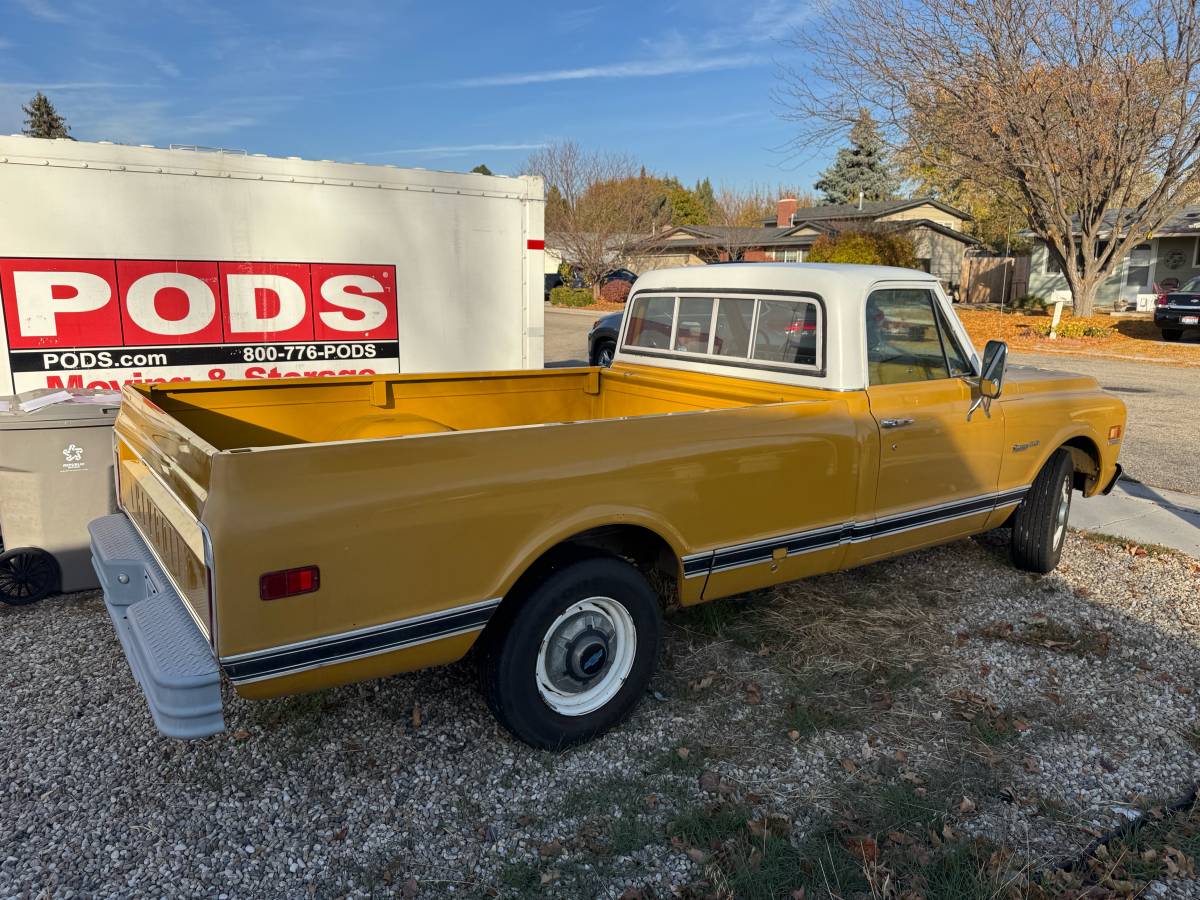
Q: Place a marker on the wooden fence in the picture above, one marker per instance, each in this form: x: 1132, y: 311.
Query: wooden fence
x: 994, y: 279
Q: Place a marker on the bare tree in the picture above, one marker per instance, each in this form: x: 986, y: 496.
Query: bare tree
x: 1087, y: 110
x: 741, y: 212
x: 605, y: 206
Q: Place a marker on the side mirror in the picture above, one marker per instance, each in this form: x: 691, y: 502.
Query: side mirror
x: 995, y: 361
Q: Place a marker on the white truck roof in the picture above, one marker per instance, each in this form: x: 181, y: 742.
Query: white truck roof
x: 842, y: 289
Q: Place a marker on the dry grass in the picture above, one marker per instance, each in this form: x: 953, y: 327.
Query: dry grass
x: 1130, y: 338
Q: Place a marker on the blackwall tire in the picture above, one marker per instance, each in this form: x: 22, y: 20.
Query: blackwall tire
x: 571, y: 658
x: 27, y: 575
x: 1039, y: 526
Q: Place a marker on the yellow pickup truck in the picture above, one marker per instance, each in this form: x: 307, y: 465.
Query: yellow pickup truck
x: 760, y: 423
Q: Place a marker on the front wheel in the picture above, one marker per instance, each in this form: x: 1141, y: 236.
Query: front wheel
x: 1040, y: 522
x: 604, y: 353
x: 28, y: 574
x: 571, y: 658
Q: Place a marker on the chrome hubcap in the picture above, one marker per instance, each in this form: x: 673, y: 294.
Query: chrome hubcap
x: 1063, y: 512
x: 606, y: 357
x: 586, y: 656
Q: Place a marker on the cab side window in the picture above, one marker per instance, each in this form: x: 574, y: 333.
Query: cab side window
x: 904, y: 343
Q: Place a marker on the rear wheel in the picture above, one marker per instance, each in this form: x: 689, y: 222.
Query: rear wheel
x: 1039, y: 526
x: 572, y: 657
x: 28, y: 574
x: 1172, y: 334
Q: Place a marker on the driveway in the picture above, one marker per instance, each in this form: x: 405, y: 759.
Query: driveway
x: 1161, y: 440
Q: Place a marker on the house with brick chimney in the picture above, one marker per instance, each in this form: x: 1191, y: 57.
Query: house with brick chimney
x: 936, y: 229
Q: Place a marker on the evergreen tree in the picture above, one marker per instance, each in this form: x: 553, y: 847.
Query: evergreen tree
x: 708, y: 198
x: 42, y: 119
x: 482, y: 169
x: 863, y: 166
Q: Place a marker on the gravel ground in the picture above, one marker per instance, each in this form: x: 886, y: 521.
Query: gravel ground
x: 1030, y: 713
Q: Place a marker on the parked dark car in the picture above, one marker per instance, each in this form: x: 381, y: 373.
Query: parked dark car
x: 602, y: 339
x: 618, y: 275
x: 1177, y: 311
x: 553, y: 280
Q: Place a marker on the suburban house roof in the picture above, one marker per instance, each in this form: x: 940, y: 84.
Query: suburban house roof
x: 700, y: 237
x: 871, y: 209
x: 1184, y: 221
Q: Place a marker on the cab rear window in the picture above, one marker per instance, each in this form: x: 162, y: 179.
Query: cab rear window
x: 768, y: 331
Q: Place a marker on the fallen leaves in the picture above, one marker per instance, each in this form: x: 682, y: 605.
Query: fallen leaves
x: 416, y: 715
x: 864, y: 847
x: 753, y: 693
x: 770, y: 825
x: 1178, y: 864
x: 702, y: 683
x: 1127, y: 338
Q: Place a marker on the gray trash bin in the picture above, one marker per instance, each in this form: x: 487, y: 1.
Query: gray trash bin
x: 56, y: 475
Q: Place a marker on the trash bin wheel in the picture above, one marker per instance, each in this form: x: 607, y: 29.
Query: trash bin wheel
x: 27, y: 574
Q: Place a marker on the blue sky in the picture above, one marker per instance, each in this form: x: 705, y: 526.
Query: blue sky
x: 685, y: 87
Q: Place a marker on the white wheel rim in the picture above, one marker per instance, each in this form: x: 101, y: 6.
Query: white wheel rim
x: 571, y: 645
x: 1063, y: 512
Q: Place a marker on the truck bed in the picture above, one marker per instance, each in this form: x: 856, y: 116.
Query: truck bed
x: 417, y: 493
x: 280, y: 413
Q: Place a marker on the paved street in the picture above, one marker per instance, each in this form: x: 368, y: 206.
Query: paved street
x: 1163, y: 434
x: 1163, y: 437
x: 566, y: 336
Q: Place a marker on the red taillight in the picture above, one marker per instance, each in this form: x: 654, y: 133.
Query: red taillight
x: 800, y: 326
x: 1162, y: 300
x: 289, y: 583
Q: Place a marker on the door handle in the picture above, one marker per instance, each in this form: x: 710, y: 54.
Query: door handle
x: 894, y: 423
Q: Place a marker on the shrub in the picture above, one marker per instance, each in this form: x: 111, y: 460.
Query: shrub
x: 1031, y: 302
x: 1075, y: 328
x: 615, y: 291
x: 872, y: 248
x: 567, y: 296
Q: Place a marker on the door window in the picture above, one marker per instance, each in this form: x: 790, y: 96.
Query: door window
x: 903, y: 341
x: 958, y: 361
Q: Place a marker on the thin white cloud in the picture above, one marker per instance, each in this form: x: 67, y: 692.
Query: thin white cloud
x: 41, y: 9
x: 651, y: 68
x: 455, y: 149
x: 66, y: 85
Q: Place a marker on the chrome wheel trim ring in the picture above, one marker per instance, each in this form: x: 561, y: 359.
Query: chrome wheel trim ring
x: 558, y: 688
x: 1062, y: 513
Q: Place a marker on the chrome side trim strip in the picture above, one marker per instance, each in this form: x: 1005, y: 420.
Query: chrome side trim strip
x: 796, y: 543
x: 272, y: 662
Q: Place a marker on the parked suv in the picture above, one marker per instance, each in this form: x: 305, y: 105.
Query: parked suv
x: 1177, y: 311
x: 602, y: 339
